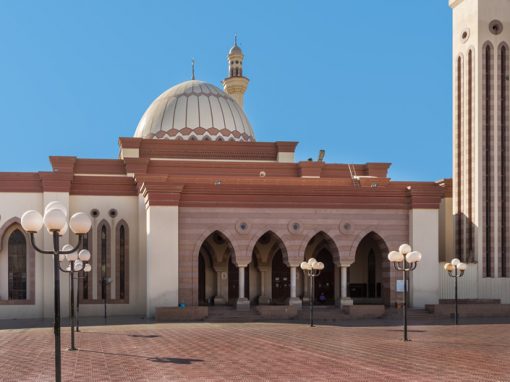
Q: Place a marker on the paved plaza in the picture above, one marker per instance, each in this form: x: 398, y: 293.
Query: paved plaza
x: 260, y: 352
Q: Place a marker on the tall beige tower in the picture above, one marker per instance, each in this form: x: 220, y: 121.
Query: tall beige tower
x: 481, y: 152
x: 235, y: 84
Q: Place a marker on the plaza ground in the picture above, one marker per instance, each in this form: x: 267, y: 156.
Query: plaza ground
x: 351, y: 351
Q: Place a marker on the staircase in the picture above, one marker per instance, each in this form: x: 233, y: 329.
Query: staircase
x: 231, y: 314
x: 321, y: 314
x: 414, y: 315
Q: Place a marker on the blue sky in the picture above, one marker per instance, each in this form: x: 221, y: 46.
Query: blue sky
x: 368, y: 81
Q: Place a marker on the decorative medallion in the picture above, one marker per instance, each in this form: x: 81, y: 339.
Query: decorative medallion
x: 464, y: 36
x: 345, y: 227
x: 495, y: 27
x: 295, y: 227
x: 242, y: 227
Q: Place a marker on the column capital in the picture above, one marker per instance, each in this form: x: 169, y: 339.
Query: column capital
x: 346, y: 264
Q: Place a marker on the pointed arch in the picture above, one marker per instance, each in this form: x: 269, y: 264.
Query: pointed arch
x: 324, y: 240
x: 122, y: 261
x: 234, y: 250
x: 360, y: 236
x: 370, y: 274
x: 278, y: 244
x: 215, y: 246
x: 6, y: 226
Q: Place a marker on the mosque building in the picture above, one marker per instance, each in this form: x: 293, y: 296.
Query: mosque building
x: 195, y: 212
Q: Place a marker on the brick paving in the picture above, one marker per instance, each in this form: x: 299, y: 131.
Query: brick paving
x: 261, y: 352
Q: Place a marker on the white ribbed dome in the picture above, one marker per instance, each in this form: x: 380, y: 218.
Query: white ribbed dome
x: 195, y: 110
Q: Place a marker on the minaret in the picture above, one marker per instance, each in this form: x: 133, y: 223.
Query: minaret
x: 481, y: 146
x: 235, y: 84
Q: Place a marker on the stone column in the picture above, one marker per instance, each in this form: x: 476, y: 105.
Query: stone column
x: 293, y: 300
x: 241, y: 283
x: 264, y: 297
x: 344, y: 300
x: 242, y: 302
x: 219, y: 299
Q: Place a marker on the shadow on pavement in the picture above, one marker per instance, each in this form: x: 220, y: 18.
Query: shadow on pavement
x: 178, y: 361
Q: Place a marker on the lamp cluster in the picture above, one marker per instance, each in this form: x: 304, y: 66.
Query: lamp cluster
x: 406, y: 253
x: 76, y: 260
x: 456, y: 266
x: 311, y: 265
x: 55, y: 220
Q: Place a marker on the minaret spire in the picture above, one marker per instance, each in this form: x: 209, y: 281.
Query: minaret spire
x: 235, y: 84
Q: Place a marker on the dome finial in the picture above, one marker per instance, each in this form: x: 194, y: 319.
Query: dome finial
x: 192, y: 68
x: 235, y: 39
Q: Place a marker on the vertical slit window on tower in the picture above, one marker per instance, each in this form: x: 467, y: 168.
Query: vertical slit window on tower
x: 459, y: 218
x: 488, y: 148
x: 470, y: 157
x: 503, y: 163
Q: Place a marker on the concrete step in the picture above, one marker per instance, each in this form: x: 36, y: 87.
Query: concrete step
x: 230, y: 314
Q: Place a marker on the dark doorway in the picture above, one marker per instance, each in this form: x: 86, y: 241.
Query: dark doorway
x: 280, y: 276
x: 325, y: 282
x: 201, y: 280
x: 371, y: 274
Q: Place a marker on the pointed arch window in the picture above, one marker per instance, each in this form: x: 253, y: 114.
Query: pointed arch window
x: 103, y: 267
x: 17, y: 264
x: 122, y: 262
x: 86, y: 281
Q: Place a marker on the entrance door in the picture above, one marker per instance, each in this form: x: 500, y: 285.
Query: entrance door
x: 325, y: 282
x: 280, y: 276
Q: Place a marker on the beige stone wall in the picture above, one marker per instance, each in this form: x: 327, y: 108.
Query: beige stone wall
x: 127, y: 209
x: 446, y: 231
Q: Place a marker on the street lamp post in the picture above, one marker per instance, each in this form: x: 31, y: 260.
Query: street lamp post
x: 405, y: 260
x: 313, y: 269
x: 76, y: 264
x: 55, y: 221
x: 456, y: 269
x: 105, y: 282
x: 86, y: 269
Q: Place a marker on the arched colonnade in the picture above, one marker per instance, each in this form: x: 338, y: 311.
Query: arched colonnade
x: 266, y: 270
